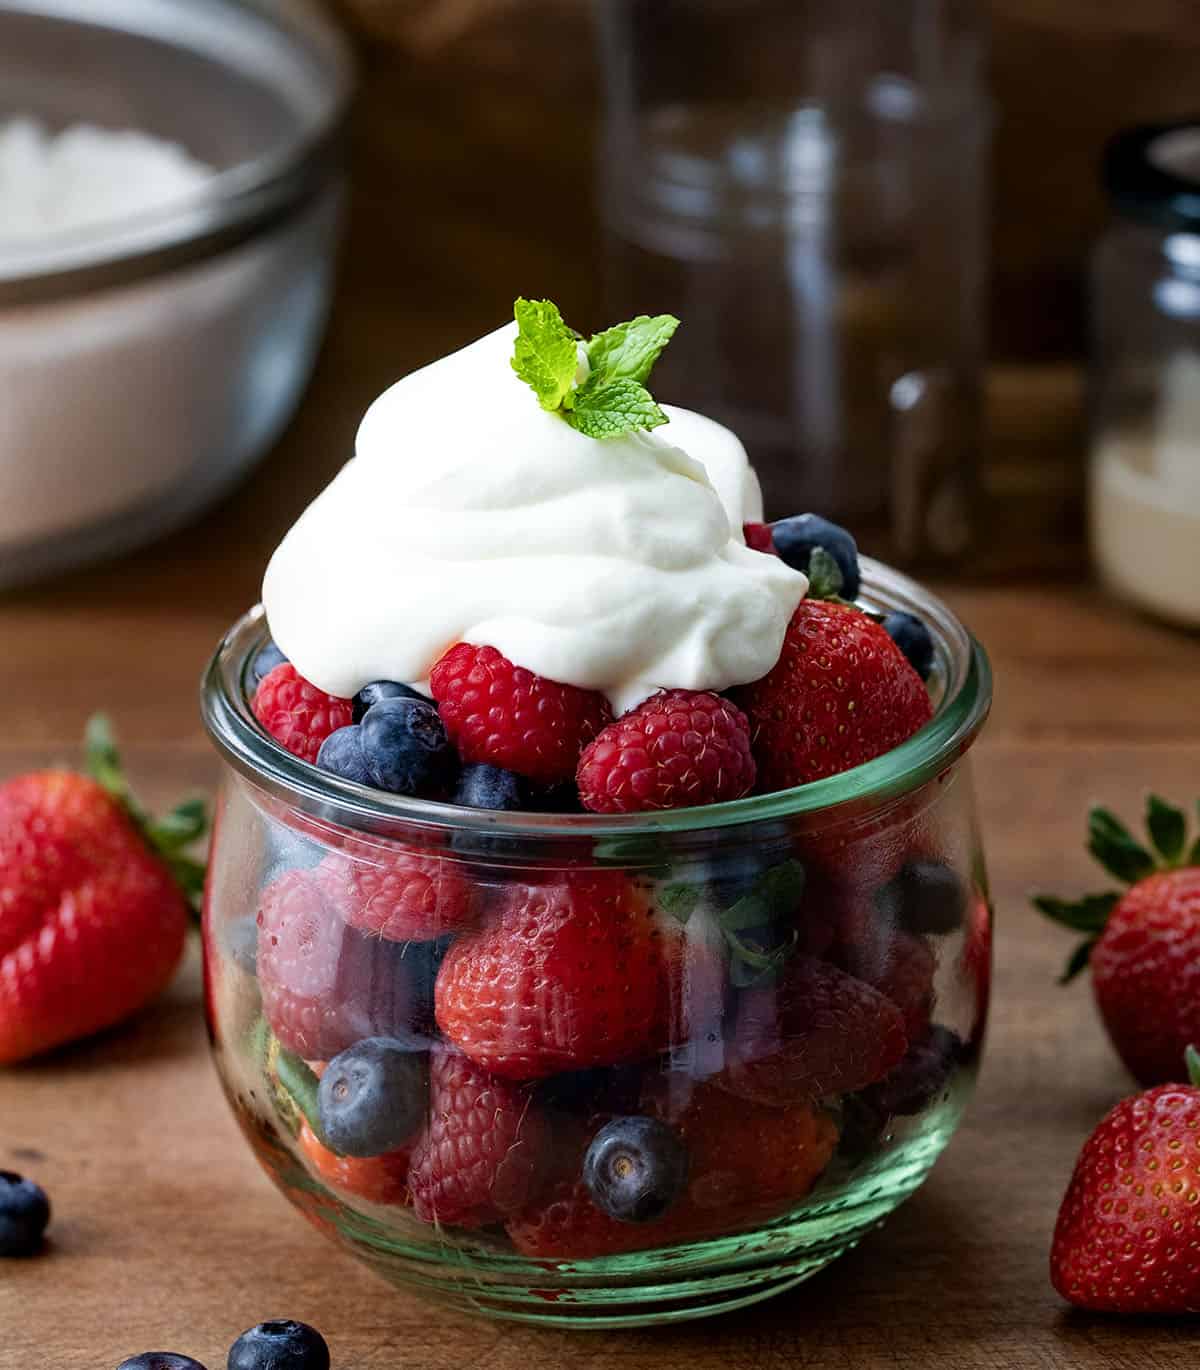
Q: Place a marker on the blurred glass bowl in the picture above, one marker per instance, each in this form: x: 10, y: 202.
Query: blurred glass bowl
x: 146, y: 363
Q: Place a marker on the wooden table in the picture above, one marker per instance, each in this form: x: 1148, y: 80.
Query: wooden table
x: 167, y: 1235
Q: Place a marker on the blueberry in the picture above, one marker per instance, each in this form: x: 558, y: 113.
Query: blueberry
x: 635, y: 1169
x: 265, y: 661
x: 24, y: 1213
x: 926, y: 897
x: 160, y: 1360
x: 406, y: 747
x: 796, y: 538
x: 342, y: 754
x: 378, y: 690
x: 280, y: 1346
x: 372, y: 1097
x: 920, y: 1077
x: 914, y: 640
x: 241, y: 942
x: 489, y: 787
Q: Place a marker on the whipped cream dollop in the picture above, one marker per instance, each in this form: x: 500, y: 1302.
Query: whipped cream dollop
x: 468, y: 513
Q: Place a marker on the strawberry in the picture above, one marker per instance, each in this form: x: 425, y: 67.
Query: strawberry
x: 401, y: 895
x: 567, y: 976
x: 480, y: 1155
x: 818, y: 1032
x: 1143, y: 944
x: 93, y: 909
x: 747, y: 1164
x: 378, y: 1179
x: 296, y: 713
x: 679, y: 748
x: 975, y: 963
x: 1128, y: 1233
x: 324, y: 985
x: 503, y: 715
x: 840, y: 694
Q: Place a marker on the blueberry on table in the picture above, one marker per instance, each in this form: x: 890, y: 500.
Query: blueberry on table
x: 342, y: 754
x: 160, y: 1360
x: 635, y: 1169
x: 265, y: 661
x: 406, y: 748
x: 379, y: 690
x: 489, y: 787
x: 280, y: 1346
x: 372, y: 1097
x: 926, y: 897
x: 24, y: 1214
x: 913, y: 638
x: 798, y: 537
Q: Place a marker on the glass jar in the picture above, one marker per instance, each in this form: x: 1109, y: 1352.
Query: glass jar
x: 793, y: 987
x: 805, y: 184
x: 1145, y: 378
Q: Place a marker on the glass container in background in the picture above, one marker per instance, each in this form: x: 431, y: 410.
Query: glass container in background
x: 1145, y: 462
x: 804, y: 185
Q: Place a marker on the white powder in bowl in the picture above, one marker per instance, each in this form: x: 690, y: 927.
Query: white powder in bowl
x: 54, y: 183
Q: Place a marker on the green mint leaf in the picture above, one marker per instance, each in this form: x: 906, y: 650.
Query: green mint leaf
x: 679, y: 901
x: 824, y: 575
x: 1167, y: 827
x: 1078, y: 962
x: 546, y: 356
x: 751, y: 965
x: 298, y: 1079
x: 629, y: 350
x: 1089, y: 914
x: 1114, y: 846
x: 607, y: 411
x: 774, y: 894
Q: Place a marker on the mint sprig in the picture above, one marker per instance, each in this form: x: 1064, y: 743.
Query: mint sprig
x: 612, y: 399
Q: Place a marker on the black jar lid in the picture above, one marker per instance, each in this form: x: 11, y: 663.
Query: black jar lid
x: 1152, y: 173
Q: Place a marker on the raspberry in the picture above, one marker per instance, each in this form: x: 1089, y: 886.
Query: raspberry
x: 503, y: 715
x: 678, y: 749
x: 296, y: 713
x: 479, y: 1158
x: 378, y: 1179
x: 403, y: 896
x: 325, y: 986
x: 759, y: 537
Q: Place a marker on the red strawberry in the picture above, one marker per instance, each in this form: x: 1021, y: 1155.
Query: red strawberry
x: 480, y: 1156
x: 678, y: 749
x: 378, y: 1179
x: 500, y: 714
x: 759, y: 537
x: 92, y: 917
x: 567, y: 976
x: 747, y: 1164
x: 296, y: 713
x: 1128, y: 1233
x: 401, y: 895
x: 840, y: 694
x: 818, y: 1032
x: 1143, y: 944
x: 976, y: 963
x: 325, y: 986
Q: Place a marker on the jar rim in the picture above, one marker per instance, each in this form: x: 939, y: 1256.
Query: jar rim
x: 962, y: 674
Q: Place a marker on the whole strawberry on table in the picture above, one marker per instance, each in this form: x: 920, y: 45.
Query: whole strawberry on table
x: 95, y: 900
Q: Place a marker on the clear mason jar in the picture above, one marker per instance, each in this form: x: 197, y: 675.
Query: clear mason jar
x: 804, y: 183
x: 795, y: 984
x: 1145, y: 377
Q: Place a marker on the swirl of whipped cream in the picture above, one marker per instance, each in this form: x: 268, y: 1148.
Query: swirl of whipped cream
x: 470, y: 514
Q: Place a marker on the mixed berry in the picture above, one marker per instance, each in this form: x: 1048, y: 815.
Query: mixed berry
x: 587, y: 1057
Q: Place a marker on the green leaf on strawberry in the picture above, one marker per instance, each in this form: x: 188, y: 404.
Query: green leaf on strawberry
x: 825, y: 578
x: 1121, y: 854
x: 168, y: 836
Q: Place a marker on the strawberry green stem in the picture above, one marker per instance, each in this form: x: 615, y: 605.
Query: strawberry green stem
x: 1192, y: 1057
